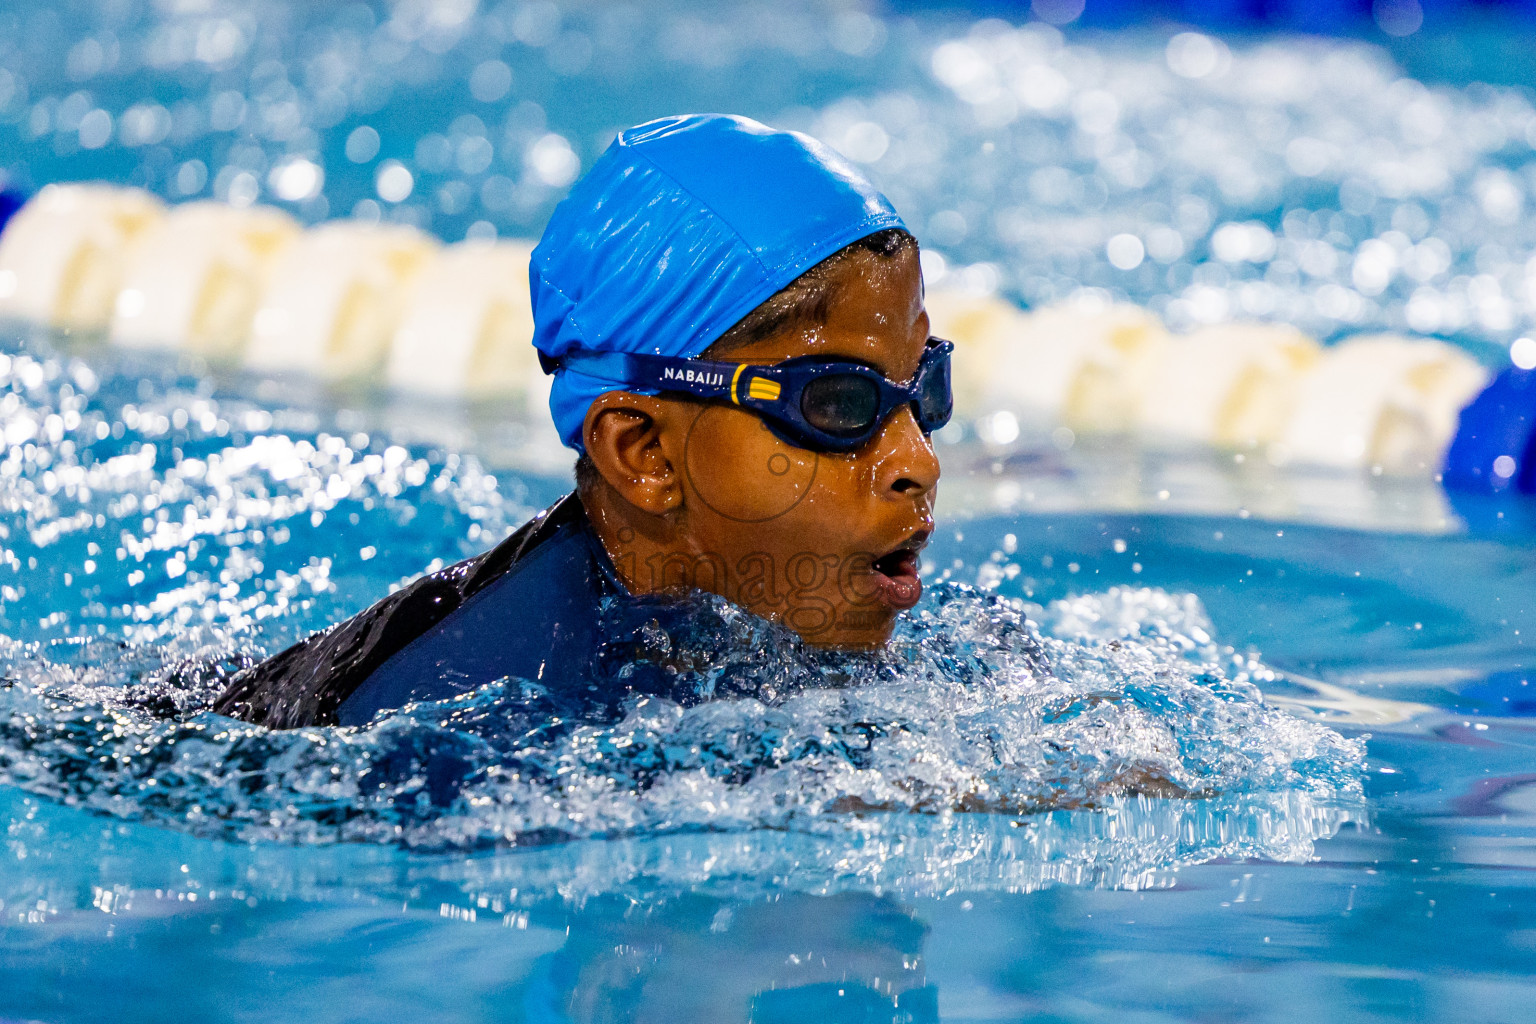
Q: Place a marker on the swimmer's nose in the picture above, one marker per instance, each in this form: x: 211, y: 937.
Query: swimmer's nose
x: 909, y: 468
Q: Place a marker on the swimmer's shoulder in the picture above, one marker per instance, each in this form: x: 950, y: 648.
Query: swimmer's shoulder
x: 307, y: 683
x: 565, y: 517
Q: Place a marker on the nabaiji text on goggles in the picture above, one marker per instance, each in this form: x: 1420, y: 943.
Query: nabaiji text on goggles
x: 834, y: 405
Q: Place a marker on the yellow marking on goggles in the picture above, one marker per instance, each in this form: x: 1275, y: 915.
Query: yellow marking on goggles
x: 763, y: 389
x: 734, y: 378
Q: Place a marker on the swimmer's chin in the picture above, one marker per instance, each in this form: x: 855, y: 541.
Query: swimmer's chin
x: 892, y: 586
x: 870, y: 631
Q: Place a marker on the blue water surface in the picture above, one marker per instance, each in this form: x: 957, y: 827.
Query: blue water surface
x: 1110, y: 758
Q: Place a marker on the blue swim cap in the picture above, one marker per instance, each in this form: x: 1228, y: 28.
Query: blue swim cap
x: 683, y: 227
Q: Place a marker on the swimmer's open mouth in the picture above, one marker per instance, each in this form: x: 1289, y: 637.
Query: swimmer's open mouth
x: 895, y: 574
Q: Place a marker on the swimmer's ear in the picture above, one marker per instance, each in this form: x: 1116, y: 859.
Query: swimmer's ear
x: 625, y: 437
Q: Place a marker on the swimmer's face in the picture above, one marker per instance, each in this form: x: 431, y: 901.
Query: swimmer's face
x: 824, y: 542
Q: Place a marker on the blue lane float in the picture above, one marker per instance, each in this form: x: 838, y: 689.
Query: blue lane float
x: 1494, y: 451
x: 11, y: 200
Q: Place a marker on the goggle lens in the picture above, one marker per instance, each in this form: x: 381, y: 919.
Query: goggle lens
x: 848, y: 405
x: 934, y: 400
x: 841, y: 404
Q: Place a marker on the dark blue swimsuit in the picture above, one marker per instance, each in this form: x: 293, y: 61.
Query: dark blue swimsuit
x: 528, y: 608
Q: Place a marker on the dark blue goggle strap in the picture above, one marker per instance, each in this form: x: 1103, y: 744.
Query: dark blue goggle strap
x: 740, y: 383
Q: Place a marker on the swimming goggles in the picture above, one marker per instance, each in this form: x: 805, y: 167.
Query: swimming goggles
x: 830, y: 405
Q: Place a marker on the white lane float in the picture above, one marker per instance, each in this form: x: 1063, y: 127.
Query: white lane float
x: 1383, y: 403
x: 469, y: 326
x: 981, y: 327
x: 194, y: 278
x: 1078, y: 364
x: 1381, y: 400
x: 62, y: 255
x: 1422, y: 413
x: 1118, y: 346
x: 1230, y: 385
x: 336, y: 297
x: 349, y: 299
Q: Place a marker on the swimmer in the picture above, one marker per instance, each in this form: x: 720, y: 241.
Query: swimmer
x: 733, y: 318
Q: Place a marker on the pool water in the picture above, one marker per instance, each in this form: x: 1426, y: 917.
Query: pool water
x: 1171, y: 736
x: 1061, y: 797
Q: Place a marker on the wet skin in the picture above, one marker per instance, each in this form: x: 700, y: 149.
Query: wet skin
x: 702, y: 495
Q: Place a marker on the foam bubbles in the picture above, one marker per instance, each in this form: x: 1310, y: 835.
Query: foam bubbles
x: 394, y: 182
x: 733, y: 725
x: 553, y: 160
x: 296, y: 179
x: 362, y: 144
x: 1125, y: 251
x: 1193, y: 55
x: 1522, y: 352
